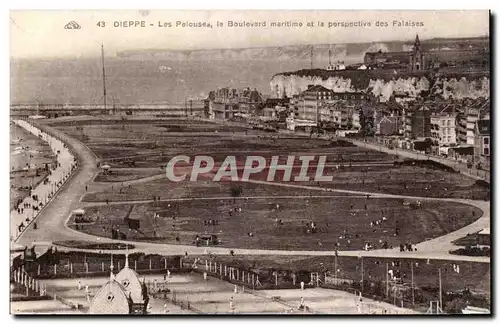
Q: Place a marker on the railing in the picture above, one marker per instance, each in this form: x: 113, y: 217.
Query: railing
x: 88, y: 269
x: 33, y: 286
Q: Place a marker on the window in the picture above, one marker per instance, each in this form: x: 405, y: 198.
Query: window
x: 486, y: 151
x: 449, y: 122
x: 336, y: 97
x: 345, y: 96
x: 353, y: 97
x: 442, y: 122
x: 486, y: 141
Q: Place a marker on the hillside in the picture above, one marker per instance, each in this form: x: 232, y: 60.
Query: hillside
x: 350, y: 52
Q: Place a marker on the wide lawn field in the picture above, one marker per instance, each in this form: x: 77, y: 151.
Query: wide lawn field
x: 282, y: 222
x: 139, y: 150
x: 148, y: 146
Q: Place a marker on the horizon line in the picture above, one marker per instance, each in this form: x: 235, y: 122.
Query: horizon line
x: 116, y: 53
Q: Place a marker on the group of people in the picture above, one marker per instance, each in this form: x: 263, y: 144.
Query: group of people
x: 46, y: 187
x: 210, y: 222
x: 407, y: 247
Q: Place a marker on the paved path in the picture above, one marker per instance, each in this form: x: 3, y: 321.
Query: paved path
x: 45, y: 191
x: 52, y: 220
x: 52, y: 217
x: 127, y: 202
x: 472, y: 173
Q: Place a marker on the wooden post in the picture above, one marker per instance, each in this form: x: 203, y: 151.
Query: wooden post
x: 225, y: 270
x: 165, y: 260
x: 237, y: 274
x: 36, y: 286
x: 102, y: 266
x: 440, y: 291
x: 387, y: 279
x: 118, y: 265
x: 220, y: 268
x: 242, y: 275
x: 362, y: 276
x: 71, y: 267
x: 210, y: 266
x: 206, y: 264
x: 253, y: 281
x: 276, y: 278
x: 412, y: 287
x: 149, y: 263
x: 55, y: 269
x: 38, y: 269
x: 86, y: 267
x: 135, y: 265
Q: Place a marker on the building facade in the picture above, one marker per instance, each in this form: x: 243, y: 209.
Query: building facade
x: 319, y: 104
x: 421, y: 123
x: 483, y: 138
x: 443, y: 126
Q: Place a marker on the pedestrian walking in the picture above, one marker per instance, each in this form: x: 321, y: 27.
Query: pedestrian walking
x: 231, y: 304
x: 301, y: 305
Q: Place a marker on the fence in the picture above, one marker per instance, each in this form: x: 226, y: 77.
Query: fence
x: 93, y: 268
x: 33, y: 286
x: 253, y: 279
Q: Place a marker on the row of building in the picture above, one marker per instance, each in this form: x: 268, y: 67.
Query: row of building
x: 463, y: 125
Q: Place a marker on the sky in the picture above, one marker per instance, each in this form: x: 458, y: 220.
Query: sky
x: 35, y: 34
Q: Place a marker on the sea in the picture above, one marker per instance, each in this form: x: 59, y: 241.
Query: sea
x: 131, y: 81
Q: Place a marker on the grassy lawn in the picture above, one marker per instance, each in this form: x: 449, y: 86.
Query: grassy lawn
x: 93, y: 246
x: 333, y: 216
x: 121, y: 175
x: 152, y: 144
x: 167, y: 189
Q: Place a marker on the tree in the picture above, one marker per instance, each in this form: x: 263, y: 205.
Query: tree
x: 235, y: 192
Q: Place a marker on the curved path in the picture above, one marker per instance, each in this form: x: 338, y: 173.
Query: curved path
x: 52, y: 221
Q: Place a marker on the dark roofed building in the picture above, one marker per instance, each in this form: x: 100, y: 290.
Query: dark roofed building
x: 483, y: 137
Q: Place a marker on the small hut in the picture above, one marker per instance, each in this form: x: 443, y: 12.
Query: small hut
x: 79, y: 215
x: 106, y: 169
x: 484, y: 237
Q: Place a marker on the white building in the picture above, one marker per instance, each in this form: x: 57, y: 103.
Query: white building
x: 443, y: 126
